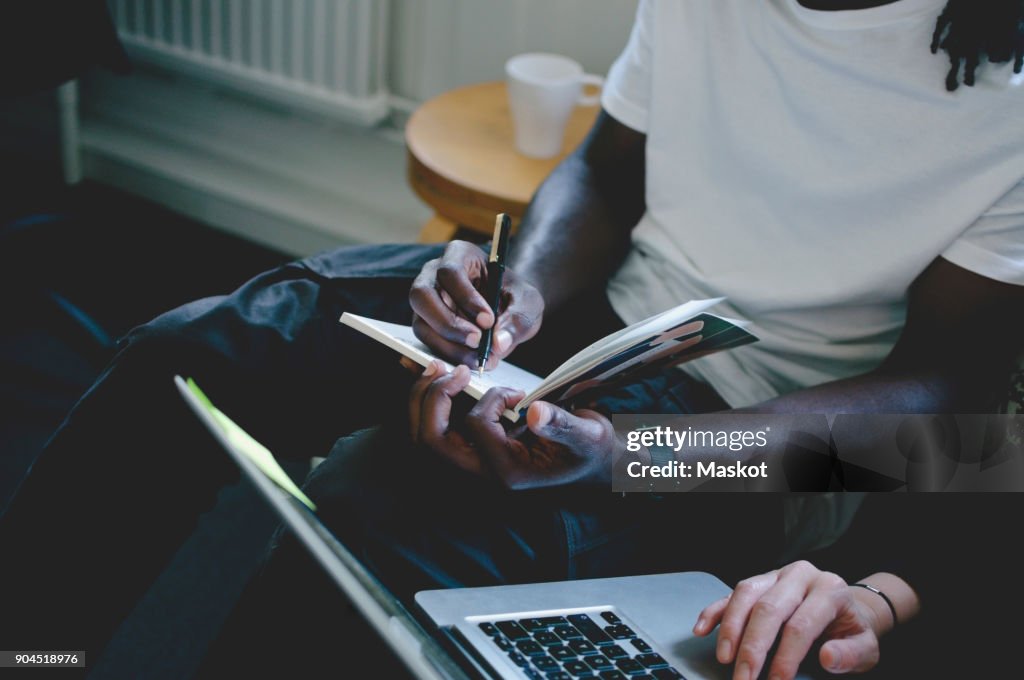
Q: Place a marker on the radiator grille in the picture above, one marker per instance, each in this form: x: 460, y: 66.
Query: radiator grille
x: 322, y: 56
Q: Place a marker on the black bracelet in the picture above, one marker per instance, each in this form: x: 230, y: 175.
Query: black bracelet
x: 876, y: 591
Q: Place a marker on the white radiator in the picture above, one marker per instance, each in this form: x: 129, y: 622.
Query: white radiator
x: 320, y: 56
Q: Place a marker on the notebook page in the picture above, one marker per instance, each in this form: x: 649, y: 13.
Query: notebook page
x: 402, y: 339
x: 597, y: 352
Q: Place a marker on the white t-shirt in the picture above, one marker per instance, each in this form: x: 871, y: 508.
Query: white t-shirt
x: 809, y: 165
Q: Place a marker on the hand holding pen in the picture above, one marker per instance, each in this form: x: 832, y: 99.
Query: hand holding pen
x: 454, y: 306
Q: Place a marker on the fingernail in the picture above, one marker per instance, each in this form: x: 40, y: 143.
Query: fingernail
x: 699, y: 626
x: 837, y: 660
x: 430, y: 370
x: 473, y: 339
x: 543, y: 413
x: 742, y: 671
x: 503, y: 340
x: 483, y: 319
x: 724, y: 650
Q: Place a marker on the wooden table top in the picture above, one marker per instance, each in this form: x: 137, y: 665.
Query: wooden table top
x: 462, y: 156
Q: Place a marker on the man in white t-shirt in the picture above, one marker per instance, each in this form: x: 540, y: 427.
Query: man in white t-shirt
x: 809, y: 166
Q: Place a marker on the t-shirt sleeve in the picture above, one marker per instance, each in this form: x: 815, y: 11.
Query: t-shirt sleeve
x: 626, y: 92
x: 994, y: 245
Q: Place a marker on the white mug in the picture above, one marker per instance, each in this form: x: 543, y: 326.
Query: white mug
x: 543, y: 89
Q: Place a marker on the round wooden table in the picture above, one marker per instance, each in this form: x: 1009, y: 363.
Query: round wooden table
x: 464, y: 164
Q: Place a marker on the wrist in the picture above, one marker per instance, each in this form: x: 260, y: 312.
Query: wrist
x: 899, y: 604
x: 879, y: 615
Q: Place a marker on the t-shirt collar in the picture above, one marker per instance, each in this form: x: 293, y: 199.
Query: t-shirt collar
x: 870, y: 17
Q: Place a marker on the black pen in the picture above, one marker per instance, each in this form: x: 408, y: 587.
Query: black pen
x: 495, y: 272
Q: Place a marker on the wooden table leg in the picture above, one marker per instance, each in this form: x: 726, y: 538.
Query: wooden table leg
x: 438, y: 230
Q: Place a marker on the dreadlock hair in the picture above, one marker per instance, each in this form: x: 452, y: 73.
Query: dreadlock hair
x: 969, y: 30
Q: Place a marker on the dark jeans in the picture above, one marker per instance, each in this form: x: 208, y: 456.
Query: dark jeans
x: 123, y: 481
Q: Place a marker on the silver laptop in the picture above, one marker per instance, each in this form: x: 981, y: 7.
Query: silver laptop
x: 635, y: 627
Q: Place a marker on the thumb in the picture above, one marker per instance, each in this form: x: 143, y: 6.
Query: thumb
x: 854, y: 654
x: 551, y: 422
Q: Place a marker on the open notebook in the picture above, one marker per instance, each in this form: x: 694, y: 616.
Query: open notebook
x: 675, y: 336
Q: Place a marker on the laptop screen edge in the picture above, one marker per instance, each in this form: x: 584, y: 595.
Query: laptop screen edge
x: 414, y: 646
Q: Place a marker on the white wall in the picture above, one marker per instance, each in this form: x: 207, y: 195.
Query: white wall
x: 440, y: 44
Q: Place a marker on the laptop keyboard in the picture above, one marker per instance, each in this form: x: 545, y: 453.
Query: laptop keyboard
x: 597, y: 645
